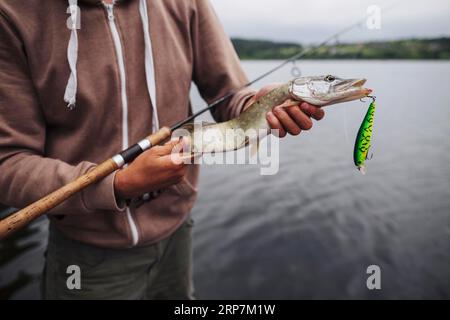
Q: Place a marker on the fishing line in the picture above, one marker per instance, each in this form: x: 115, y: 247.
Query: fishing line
x: 347, y: 139
x: 292, y: 59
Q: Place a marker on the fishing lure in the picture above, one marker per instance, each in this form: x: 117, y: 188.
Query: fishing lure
x: 364, y: 137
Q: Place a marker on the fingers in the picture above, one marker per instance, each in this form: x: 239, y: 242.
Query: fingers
x: 300, y: 118
x: 294, y: 119
x: 174, y: 146
x: 168, y: 155
x: 167, y: 148
x: 314, y: 112
x: 263, y: 91
x: 174, y: 172
x: 266, y: 89
x: 294, y: 124
x: 181, y: 154
x: 276, y: 124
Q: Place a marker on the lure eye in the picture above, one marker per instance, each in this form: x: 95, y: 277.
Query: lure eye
x: 330, y: 78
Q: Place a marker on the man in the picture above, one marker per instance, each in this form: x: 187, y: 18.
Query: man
x: 71, y: 97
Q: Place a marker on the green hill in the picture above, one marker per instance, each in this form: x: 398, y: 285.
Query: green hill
x: 438, y: 48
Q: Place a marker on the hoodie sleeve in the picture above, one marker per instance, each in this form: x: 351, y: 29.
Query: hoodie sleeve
x: 26, y: 174
x: 217, y: 68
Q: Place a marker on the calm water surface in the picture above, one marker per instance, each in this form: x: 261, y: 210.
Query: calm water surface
x: 311, y: 230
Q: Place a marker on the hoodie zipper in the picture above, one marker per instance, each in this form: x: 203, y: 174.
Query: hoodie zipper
x: 123, y: 81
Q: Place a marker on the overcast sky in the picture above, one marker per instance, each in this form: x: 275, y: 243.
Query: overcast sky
x: 309, y: 21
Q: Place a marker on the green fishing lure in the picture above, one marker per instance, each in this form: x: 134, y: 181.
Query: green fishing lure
x: 363, y: 139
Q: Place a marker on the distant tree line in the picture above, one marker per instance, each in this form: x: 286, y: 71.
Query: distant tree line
x: 438, y: 48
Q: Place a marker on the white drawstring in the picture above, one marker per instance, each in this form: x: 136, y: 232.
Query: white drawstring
x: 70, y: 94
x: 149, y: 63
x: 72, y: 57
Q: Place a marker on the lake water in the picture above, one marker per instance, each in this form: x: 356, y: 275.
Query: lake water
x: 312, y: 230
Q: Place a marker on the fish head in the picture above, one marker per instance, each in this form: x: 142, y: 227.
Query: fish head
x: 327, y: 90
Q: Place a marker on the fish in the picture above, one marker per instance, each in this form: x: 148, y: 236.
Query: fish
x: 233, y: 134
x: 364, y: 138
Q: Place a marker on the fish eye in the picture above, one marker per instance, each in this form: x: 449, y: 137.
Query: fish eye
x: 330, y: 78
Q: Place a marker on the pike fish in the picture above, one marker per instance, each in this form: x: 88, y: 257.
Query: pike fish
x: 232, y: 135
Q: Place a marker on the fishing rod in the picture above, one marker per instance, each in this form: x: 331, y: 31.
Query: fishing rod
x: 21, y: 218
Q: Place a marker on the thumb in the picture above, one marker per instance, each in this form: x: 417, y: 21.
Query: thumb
x: 266, y: 89
x: 167, y: 148
x: 262, y: 92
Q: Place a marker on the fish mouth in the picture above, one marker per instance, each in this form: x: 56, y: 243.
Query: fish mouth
x: 351, y: 84
x: 352, y: 89
x: 358, y: 83
x: 355, y: 86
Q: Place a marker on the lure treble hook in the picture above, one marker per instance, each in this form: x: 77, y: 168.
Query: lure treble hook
x: 374, y: 98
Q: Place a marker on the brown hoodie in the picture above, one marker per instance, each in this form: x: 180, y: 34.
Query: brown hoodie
x: 44, y: 145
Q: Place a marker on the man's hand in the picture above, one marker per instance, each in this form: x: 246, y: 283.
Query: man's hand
x: 153, y: 170
x: 291, y: 119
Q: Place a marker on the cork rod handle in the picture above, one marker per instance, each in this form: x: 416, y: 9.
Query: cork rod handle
x: 21, y: 218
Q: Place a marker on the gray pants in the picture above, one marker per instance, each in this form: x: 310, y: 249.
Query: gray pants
x: 159, y: 271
